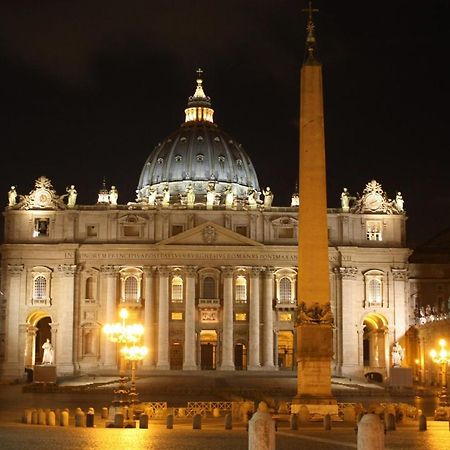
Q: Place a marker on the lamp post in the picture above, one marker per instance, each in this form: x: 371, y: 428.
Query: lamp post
x: 442, y: 357
x: 123, y: 334
x: 134, y: 353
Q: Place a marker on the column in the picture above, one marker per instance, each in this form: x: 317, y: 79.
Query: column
x: 64, y: 356
x: 109, y: 275
x: 30, y: 350
x: 13, y: 366
x: 254, y: 322
x: 268, y: 318
x: 163, y: 319
x: 347, y: 329
x: 149, y: 319
x: 227, y: 362
x: 189, y: 362
x: 400, y: 304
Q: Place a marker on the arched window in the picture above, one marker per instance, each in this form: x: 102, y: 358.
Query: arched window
x: 131, y: 289
x: 373, y: 281
x: 241, y: 289
x: 177, y: 289
x: 285, y: 290
x: 40, y: 288
x: 90, y: 288
x: 209, y: 287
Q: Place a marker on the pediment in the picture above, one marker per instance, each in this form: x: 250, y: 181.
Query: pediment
x: 210, y: 233
x: 285, y: 222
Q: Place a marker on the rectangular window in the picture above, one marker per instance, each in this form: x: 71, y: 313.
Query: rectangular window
x: 176, y: 316
x: 131, y: 231
x: 240, y: 317
x: 91, y: 231
x: 177, y: 229
x: 285, y: 317
x: 41, y: 227
x: 241, y: 230
x: 286, y: 233
x: 373, y: 230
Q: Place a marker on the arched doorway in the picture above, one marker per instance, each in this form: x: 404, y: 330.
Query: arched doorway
x: 374, y: 345
x: 286, y: 350
x: 208, y: 347
x: 240, y: 356
x: 38, y: 331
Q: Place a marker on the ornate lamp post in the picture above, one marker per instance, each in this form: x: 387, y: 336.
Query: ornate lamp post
x: 442, y: 357
x: 123, y: 334
x: 134, y: 353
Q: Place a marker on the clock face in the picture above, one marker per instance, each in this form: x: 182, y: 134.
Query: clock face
x: 373, y: 201
x: 42, y: 197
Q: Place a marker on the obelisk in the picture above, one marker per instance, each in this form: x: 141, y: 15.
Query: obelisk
x: 314, y: 318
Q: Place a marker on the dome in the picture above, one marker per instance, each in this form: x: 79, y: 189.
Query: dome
x: 198, y: 156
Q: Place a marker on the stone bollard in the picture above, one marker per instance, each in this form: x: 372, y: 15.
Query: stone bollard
x: 197, y: 422
x: 64, y: 422
x: 181, y: 412
x: 327, y: 422
x: 34, y: 417
x: 79, y: 417
x: 422, y: 423
x: 105, y: 412
x: 370, y: 433
x: 261, y: 429
x: 27, y: 416
x: 228, y: 421
x: 90, y: 418
x: 216, y: 412
x: 390, y: 422
x: 303, y: 414
x: 349, y: 414
x: 143, y: 421
x: 41, y: 417
x: 169, y: 421
x: 118, y: 420
x: 51, y: 418
x: 293, y: 422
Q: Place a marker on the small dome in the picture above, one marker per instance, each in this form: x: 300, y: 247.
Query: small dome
x: 198, y: 154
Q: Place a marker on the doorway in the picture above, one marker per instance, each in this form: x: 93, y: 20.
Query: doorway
x: 240, y: 357
x: 208, y: 349
x: 176, y: 356
x: 43, y: 332
x: 286, y: 350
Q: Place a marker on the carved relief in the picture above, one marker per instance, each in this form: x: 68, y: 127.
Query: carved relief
x: 66, y: 269
x: 314, y: 314
x: 399, y: 274
x: 209, y: 234
x: 348, y: 273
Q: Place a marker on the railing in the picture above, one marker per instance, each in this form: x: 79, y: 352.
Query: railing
x: 202, y: 408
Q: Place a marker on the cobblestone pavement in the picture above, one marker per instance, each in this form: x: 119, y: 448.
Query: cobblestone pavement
x: 16, y: 435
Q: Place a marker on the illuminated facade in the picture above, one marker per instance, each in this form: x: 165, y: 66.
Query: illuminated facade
x: 203, y: 259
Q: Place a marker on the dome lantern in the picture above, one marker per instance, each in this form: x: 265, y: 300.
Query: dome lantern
x: 199, y: 105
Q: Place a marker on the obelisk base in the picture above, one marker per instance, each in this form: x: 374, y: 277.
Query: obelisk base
x: 314, y: 352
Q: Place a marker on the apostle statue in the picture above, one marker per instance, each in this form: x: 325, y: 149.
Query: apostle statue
x: 251, y: 199
x: 12, y: 195
x: 113, y: 196
x: 268, y: 198
x: 210, y: 195
x: 229, y: 197
x: 190, y: 196
x: 71, y: 196
x: 48, y: 356
x: 166, y: 195
x: 399, y: 202
x: 345, y: 200
x: 152, y: 196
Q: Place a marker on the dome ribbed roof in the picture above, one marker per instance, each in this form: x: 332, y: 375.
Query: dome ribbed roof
x: 198, y: 153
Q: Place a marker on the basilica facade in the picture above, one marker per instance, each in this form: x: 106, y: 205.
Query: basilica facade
x: 204, y: 260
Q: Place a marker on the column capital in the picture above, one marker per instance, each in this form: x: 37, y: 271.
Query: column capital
x: 190, y: 271
x: 67, y: 270
x: 109, y: 270
x: 227, y: 271
x: 346, y: 273
x: 255, y: 271
x: 269, y: 272
x: 399, y: 274
x: 15, y: 269
x: 163, y: 271
x: 148, y: 270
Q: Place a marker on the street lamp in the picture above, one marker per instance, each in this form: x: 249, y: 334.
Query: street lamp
x: 123, y: 334
x: 442, y: 357
x: 134, y: 353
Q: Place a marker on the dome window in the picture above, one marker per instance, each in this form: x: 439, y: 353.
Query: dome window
x: 169, y: 140
x: 199, y: 138
x: 183, y: 139
x: 221, y: 159
x: 230, y: 142
x: 217, y: 139
x: 160, y: 160
x: 178, y: 158
x: 239, y: 162
x: 200, y: 157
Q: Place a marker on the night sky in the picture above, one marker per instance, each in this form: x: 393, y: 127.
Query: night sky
x: 88, y: 88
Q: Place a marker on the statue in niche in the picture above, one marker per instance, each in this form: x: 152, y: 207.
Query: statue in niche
x: 113, y: 196
x: 399, y: 202
x: 152, y: 196
x: 210, y: 195
x: 345, y: 200
x: 12, y: 196
x: 48, y: 356
x: 166, y: 195
x: 229, y: 197
x: 397, y: 355
x: 268, y: 197
x: 71, y: 196
x: 190, y: 196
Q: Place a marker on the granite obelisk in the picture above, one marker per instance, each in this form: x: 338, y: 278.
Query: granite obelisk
x: 314, y: 317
